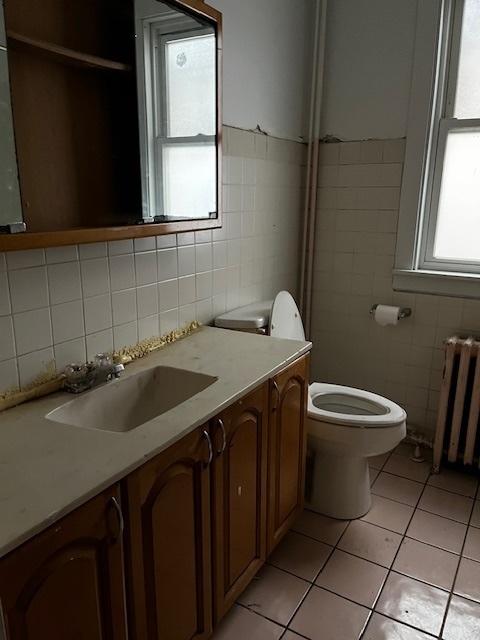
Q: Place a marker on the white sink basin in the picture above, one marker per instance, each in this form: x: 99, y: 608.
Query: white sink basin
x: 122, y: 405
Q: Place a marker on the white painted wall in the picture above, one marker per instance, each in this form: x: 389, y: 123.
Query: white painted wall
x: 368, y: 68
x: 266, y: 64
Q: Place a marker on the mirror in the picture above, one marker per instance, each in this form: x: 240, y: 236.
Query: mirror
x: 116, y: 112
x: 176, y: 71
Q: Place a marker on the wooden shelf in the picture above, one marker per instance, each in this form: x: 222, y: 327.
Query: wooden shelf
x: 64, y: 55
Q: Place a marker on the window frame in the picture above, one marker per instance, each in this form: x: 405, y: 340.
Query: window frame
x: 437, y: 46
x: 157, y: 110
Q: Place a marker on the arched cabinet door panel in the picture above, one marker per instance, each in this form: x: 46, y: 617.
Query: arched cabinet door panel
x: 68, y: 581
x: 239, y: 476
x: 168, y: 554
x: 286, y: 448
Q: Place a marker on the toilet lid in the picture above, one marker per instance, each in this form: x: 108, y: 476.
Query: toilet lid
x: 285, y: 320
x: 352, y: 407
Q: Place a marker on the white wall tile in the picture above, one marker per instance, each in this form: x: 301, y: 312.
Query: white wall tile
x: 97, y: 313
x: 33, y: 330
x: 23, y: 259
x: 71, y: 352
x: 186, y: 314
x: 144, y: 244
x: 146, y: 267
x: 219, y: 255
x: 7, y: 340
x: 203, y: 257
x: 101, y: 342
x: 185, y: 238
x: 204, y: 285
x: 167, y: 262
x: 148, y: 327
x: 95, y: 277
x: 147, y: 301
x: 117, y: 247
x: 168, y: 294
x: 124, y: 306
x: 92, y: 250
x: 67, y: 321
x: 186, y: 261
x: 9, y: 374
x: 34, y: 364
x: 5, y: 307
x: 125, y: 335
x: 186, y: 290
x: 64, y: 282
x: 169, y: 321
x: 61, y: 254
x: 165, y: 242
x: 28, y: 288
x: 122, y: 272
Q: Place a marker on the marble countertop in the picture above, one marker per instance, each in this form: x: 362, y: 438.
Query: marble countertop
x: 47, y: 469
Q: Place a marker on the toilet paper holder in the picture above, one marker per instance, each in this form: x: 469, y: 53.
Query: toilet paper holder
x: 404, y: 312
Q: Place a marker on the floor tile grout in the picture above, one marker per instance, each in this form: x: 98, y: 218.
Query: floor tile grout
x: 389, y: 570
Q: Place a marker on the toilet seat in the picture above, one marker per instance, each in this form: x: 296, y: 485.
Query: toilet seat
x: 350, y: 407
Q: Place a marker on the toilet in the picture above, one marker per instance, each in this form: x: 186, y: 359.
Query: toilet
x: 345, y: 426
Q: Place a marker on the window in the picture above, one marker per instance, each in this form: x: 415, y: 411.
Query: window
x: 181, y: 120
x: 439, y: 228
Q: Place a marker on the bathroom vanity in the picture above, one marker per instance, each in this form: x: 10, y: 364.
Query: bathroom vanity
x: 153, y: 531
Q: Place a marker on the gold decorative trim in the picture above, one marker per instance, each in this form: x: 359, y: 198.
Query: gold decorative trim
x: 147, y: 346
x: 50, y: 381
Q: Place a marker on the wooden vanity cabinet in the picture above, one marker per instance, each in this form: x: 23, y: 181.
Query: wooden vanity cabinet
x: 239, y: 496
x: 200, y: 520
x: 287, y: 437
x: 68, y: 581
x: 168, y: 543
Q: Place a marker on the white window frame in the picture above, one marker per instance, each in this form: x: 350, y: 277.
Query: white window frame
x: 157, y: 31
x: 430, y: 119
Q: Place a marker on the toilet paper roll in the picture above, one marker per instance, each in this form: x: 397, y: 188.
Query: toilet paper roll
x: 385, y: 315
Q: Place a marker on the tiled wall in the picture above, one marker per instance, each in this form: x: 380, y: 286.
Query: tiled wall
x: 358, y: 198
x: 66, y: 304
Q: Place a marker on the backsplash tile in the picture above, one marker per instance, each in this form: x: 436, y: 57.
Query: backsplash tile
x: 358, y: 199
x: 96, y: 296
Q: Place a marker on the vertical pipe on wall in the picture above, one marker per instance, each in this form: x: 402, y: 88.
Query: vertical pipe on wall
x: 308, y: 243
x: 311, y: 118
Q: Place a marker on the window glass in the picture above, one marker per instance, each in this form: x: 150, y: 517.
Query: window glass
x: 467, y: 97
x: 190, y: 80
x: 458, y: 221
x: 189, y: 179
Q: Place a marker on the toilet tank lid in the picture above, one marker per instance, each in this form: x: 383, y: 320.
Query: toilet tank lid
x: 252, y: 316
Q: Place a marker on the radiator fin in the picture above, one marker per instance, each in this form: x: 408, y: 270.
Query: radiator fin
x: 457, y: 431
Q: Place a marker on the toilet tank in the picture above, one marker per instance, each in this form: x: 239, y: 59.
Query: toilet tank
x: 253, y: 318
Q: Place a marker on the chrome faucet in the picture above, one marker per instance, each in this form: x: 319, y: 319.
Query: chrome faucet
x: 81, y: 377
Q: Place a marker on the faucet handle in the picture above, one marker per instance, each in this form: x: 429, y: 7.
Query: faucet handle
x: 103, y: 360
x: 117, y: 370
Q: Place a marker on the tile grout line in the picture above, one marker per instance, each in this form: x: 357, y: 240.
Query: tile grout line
x: 393, y: 562
x: 390, y: 570
x: 451, y: 594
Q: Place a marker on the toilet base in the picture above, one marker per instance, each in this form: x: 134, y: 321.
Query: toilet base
x: 340, y: 486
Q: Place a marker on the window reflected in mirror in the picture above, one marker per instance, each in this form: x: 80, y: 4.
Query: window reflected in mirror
x: 177, y: 60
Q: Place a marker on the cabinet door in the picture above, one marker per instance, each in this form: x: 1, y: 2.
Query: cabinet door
x: 286, y: 449
x: 67, y: 582
x: 239, y: 496
x: 169, y: 543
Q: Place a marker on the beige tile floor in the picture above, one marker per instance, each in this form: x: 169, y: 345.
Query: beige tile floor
x: 408, y: 570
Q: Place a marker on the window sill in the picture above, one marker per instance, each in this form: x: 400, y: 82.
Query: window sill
x: 440, y: 283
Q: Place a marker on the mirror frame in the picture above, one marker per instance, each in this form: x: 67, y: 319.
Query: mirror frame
x: 82, y: 235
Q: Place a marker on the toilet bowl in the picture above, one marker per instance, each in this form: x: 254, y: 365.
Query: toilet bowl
x: 345, y: 426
